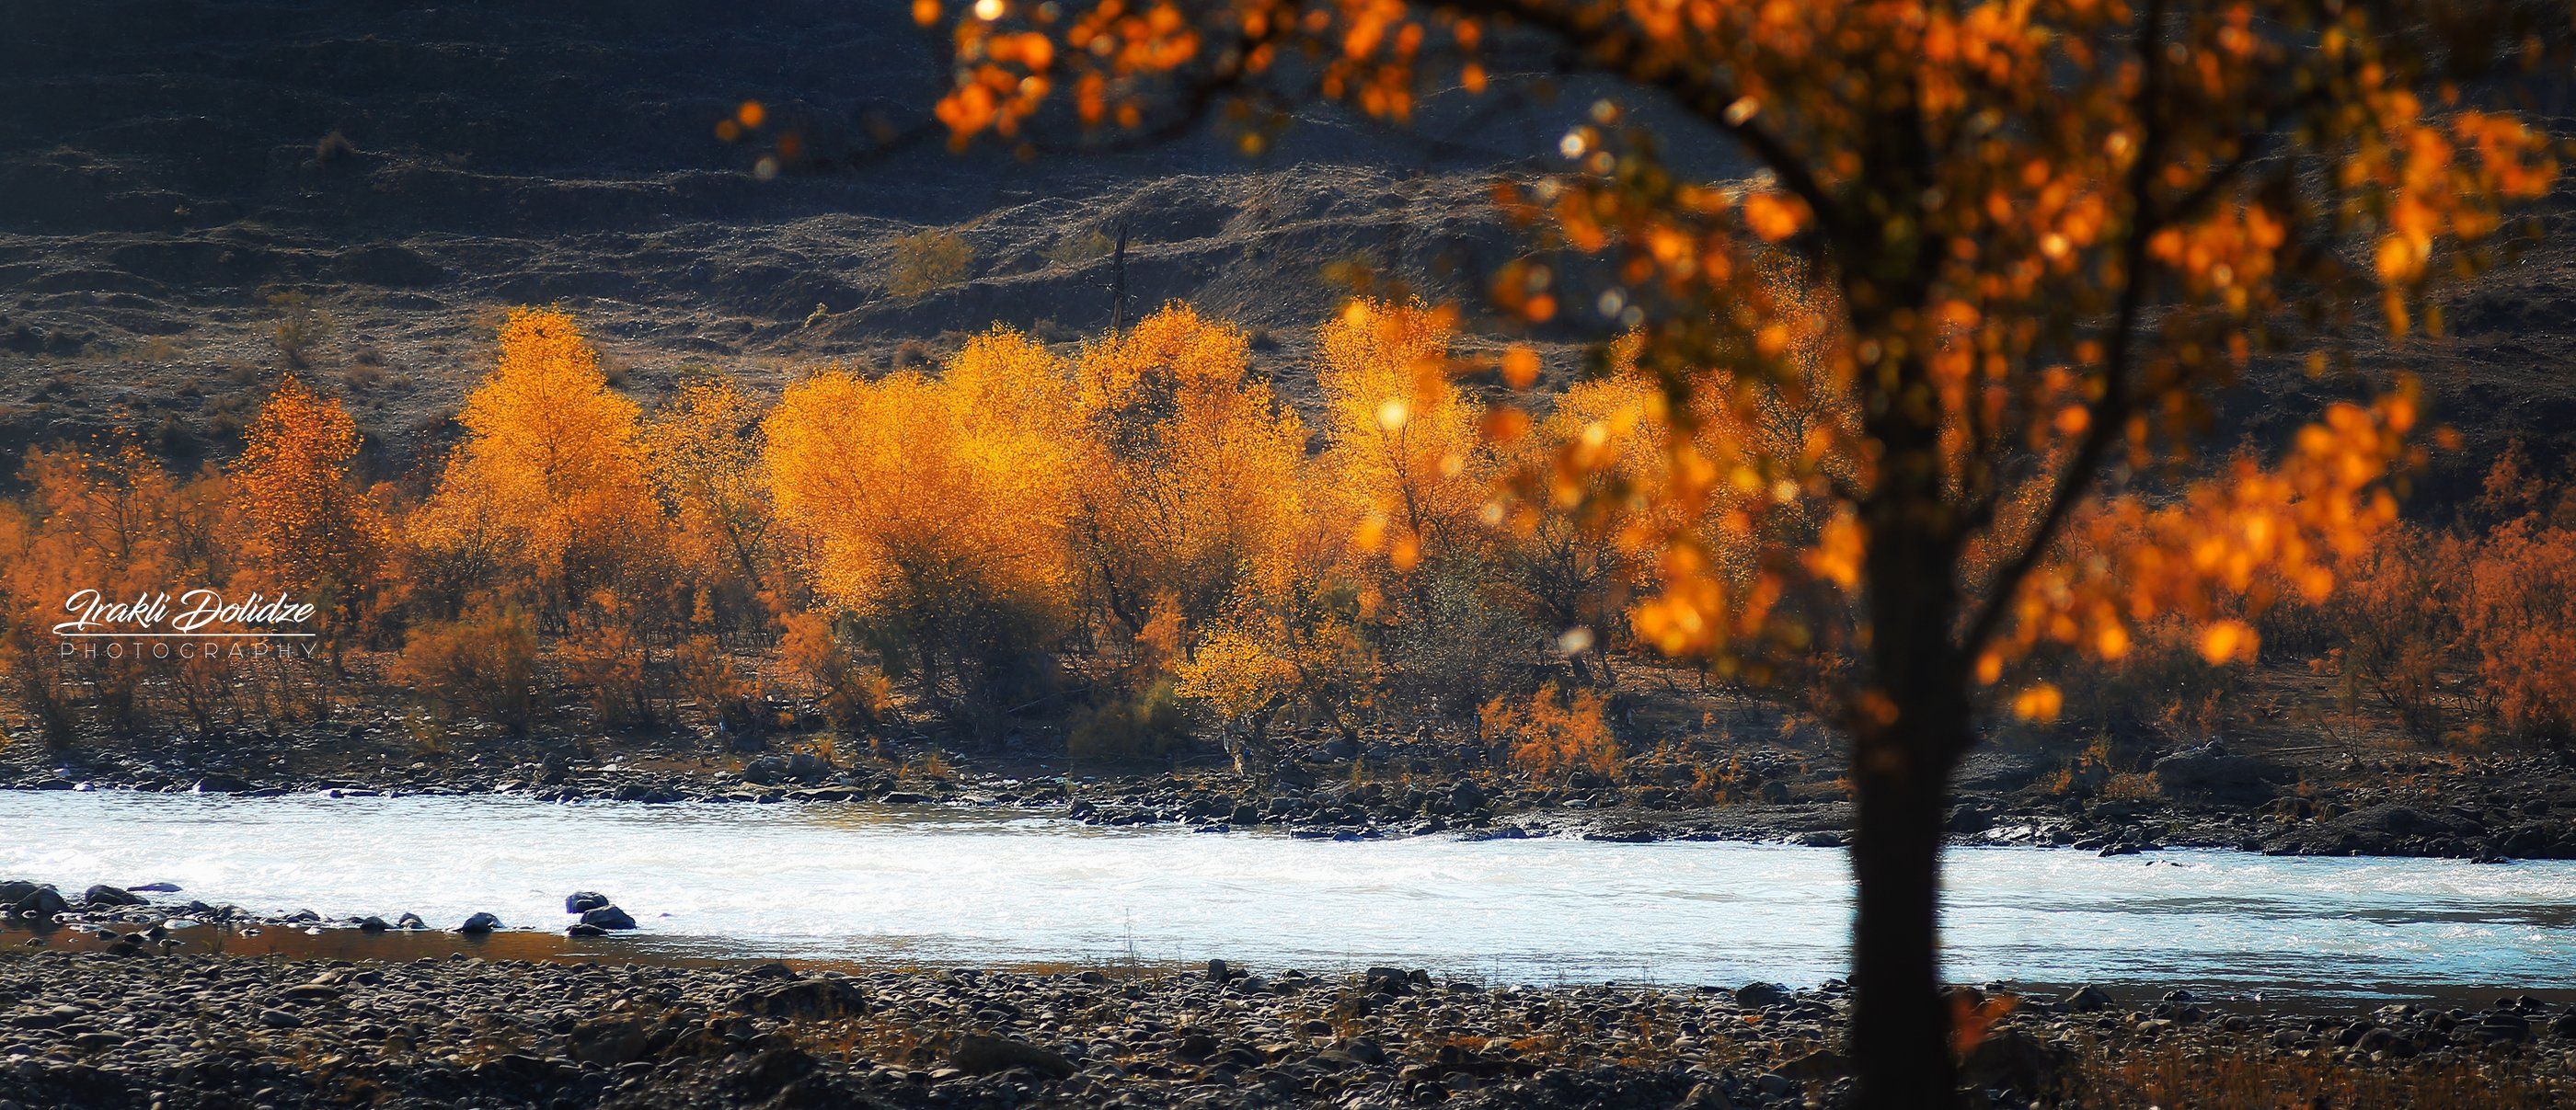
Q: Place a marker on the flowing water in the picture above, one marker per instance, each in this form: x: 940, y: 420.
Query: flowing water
x: 931, y: 885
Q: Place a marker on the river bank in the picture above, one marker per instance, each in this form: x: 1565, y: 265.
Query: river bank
x: 2511, y: 807
x: 179, y: 1032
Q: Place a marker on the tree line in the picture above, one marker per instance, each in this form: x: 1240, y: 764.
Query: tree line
x: 1138, y: 537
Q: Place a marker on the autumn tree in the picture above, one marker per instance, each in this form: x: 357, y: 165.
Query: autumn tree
x: 549, y: 493
x: 2053, y: 235
x: 936, y: 509
x: 309, y: 528
x: 1404, y: 442
x: 702, y: 454
x: 1200, y: 498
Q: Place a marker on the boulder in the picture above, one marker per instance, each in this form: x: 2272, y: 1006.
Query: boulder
x: 608, y: 917
x: 40, y: 903
x: 410, y: 921
x: 2088, y: 999
x: 2014, y: 1060
x: 1755, y: 996
x: 584, y: 901
x: 806, y: 998
x: 479, y: 924
x: 2211, y: 773
x: 608, y: 1042
x: 979, y: 1054
x: 105, y: 895
x: 372, y: 924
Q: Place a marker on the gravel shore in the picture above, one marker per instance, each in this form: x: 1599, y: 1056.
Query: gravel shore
x: 131, y: 1028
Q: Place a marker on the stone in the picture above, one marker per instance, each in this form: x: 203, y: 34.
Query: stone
x: 584, y: 901
x: 2087, y: 999
x: 2210, y: 772
x: 608, y: 917
x: 982, y: 1054
x: 2014, y: 1060
x: 608, y: 1042
x: 1755, y: 996
x: 479, y: 924
x: 372, y: 924
x: 105, y: 895
x: 41, y: 903
x: 410, y: 921
x: 811, y: 998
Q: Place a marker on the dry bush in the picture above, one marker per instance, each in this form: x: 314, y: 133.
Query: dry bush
x: 300, y: 326
x: 482, y: 663
x: 1148, y: 723
x: 850, y: 695
x: 604, y: 657
x: 934, y: 258
x: 708, y: 676
x: 1553, y: 734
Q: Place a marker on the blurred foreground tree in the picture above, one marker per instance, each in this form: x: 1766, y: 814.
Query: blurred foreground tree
x: 2044, y: 237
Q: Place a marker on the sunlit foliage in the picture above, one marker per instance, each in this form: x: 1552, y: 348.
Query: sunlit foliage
x: 1195, y: 490
x: 937, y: 507
x: 308, y: 527
x: 1404, y: 441
x: 701, y: 453
x: 550, y: 482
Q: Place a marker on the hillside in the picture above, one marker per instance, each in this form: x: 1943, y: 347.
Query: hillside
x: 182, y: 179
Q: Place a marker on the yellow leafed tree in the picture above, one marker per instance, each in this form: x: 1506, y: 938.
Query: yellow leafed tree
x: 550, y: 481
x: 935, y: 509
x: 309, y: 527
x: 1405, y: 444
x: 1200, y: 500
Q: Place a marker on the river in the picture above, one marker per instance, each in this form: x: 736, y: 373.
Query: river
x: 938, y: 886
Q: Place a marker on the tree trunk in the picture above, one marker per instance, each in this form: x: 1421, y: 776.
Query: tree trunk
x: 1900, y: 1028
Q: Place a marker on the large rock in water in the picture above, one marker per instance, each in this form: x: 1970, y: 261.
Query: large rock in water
x: 584, y: 901
x: 40, y: 903
x: 479, y: 924
x: 105, y: 895
x: 2211, y: 773
x: 607, y: 917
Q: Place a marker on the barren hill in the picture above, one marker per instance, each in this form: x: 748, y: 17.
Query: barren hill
x: 180, y: 179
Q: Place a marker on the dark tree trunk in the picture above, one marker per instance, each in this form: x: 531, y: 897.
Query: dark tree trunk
x: 1900, y: 1027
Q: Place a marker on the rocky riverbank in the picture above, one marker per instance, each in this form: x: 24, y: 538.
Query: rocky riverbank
x: 105, y: 1029
x: 2496, y: 809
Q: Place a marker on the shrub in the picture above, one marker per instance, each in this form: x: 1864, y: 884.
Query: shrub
x: 603, y: 657
x: 483, y: 662
x: 1148, y: 723
x: 849, y: 694
x: 300, y: 326
x: 708, y: 676
x: 1552, y: 736
x: 930, y: 259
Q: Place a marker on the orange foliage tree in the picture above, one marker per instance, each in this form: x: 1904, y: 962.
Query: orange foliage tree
x: 705, y: 466
x: 936, y: 509
x: 1200, y: 499
x: 2053, y: 234
x: 309, y: 529
x: 548, y: 493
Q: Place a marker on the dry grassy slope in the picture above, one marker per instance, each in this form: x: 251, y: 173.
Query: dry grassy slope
x: 159, y: 180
